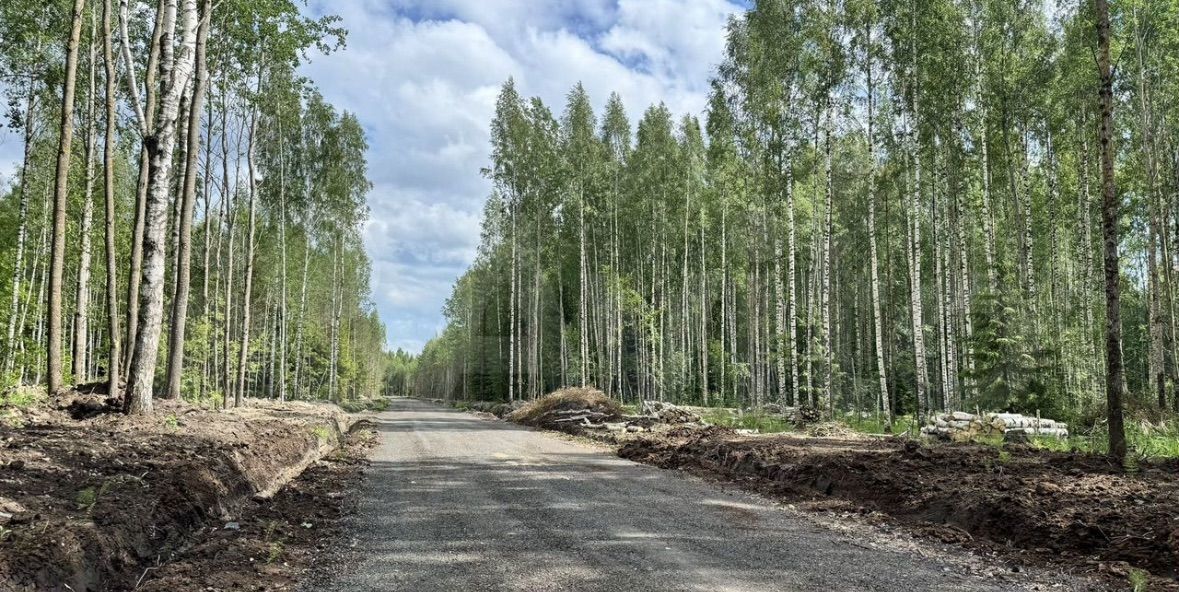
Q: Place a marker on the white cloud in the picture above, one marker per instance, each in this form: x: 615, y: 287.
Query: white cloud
x: 423, y: 75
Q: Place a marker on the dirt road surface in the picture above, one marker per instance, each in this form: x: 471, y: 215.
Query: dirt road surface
x: 457, y: 503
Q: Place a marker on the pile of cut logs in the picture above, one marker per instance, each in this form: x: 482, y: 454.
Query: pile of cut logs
x: 1012, y: 426
x: 668, y: 413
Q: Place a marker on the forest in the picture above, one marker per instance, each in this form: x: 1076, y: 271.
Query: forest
x: 186, y: 217
x: 888, y: 207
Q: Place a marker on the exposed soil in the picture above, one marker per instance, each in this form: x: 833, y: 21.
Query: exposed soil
x: 91, y: 500
x: 274, y: 543
x: 1073, y: 511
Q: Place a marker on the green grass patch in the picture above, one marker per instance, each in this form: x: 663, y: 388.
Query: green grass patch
x: 876, y: 424
x: 321, y: 433
x: 22, y: 397
x: 1139, y: 580
x: 363, y: 405
x: 758, y: 422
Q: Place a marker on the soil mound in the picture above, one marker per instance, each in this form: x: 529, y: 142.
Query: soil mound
x: 91, y: 504
x: 1046, y: 507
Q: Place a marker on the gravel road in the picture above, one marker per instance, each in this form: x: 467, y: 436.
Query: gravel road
x: 457, y: 503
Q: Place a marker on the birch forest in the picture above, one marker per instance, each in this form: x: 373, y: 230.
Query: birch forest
x: 185, y: 220
x: 889, y: 207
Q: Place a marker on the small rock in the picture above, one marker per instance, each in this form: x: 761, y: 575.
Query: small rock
x: 1045, y: 488
x: 233, y: 526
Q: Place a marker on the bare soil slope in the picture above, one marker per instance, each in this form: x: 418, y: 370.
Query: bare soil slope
x: 1071, y: 510
x: 91, y: 500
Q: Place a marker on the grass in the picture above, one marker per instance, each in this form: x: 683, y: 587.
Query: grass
x: 1139, y: 580
x: 1144, y: 439
x: 874, y: 424
x: 87, y: 498
x: 321, y: 433
x: 362, y: 405
x: 22, y: 397
x: 758, y: 422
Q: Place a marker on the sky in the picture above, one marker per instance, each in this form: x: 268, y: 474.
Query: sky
x: 422, y: 76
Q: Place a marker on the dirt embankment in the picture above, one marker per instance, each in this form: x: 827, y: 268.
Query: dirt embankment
x: 91, y: 500
x: 1074, y: 511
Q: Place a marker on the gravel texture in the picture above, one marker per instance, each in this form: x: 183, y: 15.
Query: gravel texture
x: 454, y: 502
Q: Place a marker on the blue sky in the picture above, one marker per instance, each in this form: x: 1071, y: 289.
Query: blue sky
x: 422, y: 76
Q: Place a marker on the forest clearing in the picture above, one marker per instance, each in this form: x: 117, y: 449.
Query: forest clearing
x: 886, y: 284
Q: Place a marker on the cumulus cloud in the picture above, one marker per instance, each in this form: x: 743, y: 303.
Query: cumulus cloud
x: 423, y: 75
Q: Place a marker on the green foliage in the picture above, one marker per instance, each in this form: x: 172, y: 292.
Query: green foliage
x: 1139, y: 580
x: 758, y: 422
x: 321, y: 433
x: 1008, y: 371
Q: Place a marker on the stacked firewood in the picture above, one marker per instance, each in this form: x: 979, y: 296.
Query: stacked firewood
x: 960, y: 425
x: 668, y: 413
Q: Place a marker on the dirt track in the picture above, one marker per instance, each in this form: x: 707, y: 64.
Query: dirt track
x: 455, y: 502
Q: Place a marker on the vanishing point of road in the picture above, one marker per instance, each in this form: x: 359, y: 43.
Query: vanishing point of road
x: 457, y: 503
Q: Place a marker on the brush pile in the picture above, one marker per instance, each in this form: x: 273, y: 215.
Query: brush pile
x: 570, y: 409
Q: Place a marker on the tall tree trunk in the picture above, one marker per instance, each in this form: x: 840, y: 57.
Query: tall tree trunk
x: 583, y: 281
x: 302, y: 311
x: 176, y: 336
x: 86, y: 251
x: 60, y: 195
x: 874, y: 261
x: 145, y: 117
x: 10, y: 346
x: 514, y: 333
x: 114, y: 359
x: 282, y: 240
x: 1115, y: 373
x: 244, y: 350
x: 914, y: 256
x: 825, y: 299
x: 161, y: 145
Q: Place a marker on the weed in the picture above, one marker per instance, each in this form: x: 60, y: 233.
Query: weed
x: 758, y: 422
x: 1139, y: 580
x: 321, y: 432
x: 275, y: 552
x: 172, y: 422
x: 875, y: 424
x: 22, y: 397
x: 86, y: 498
x: 12, y: 418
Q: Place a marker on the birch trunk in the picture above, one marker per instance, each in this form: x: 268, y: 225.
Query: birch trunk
x: 247, y: 290
x: 114, y: 358
x: 1115, y: 385
x: 86, y: 250
x: 22, y: 232
x: 176, y: 335
x: 146, y: 119
x: 874, y: 261
x: 161, y: 144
